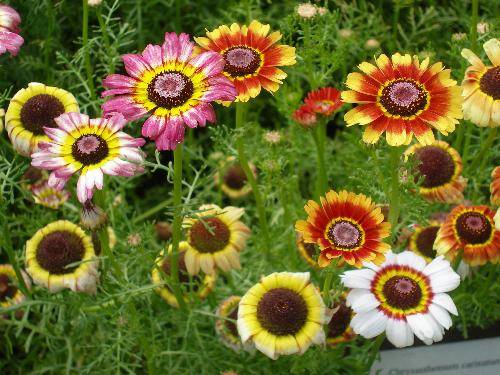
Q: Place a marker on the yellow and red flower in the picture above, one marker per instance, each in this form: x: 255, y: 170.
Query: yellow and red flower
x: 402, y: 97
x: 440, y: 167
x: 495, y: 187
x: 347, y: 226
x: 471, y: 230
x: 251, y: 56
x: 422, y: 239
x: 325, y: 100
x: 307, y: 251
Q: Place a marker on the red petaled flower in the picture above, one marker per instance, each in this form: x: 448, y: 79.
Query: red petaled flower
x: 305, y: 116
x: 325, y: 100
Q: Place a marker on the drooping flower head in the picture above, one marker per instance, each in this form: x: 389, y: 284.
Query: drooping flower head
x: 347, y: 226
x: 31, y: 110
x: 199, y: 285
x: 421, y: 241
x: 47, y: 196
x: 170, y: 84
x: 215, y: 237
x: 251, y: 57
x: 495, y: 186
x: 339, y: 329
x: 91, y: 147
x: 305, y: 116
x: 440, y: 167
x: 10, y: 40
x: 227, y: 329
x: 471, y: 230
x: 61, y: 255
x: 481, y: 86
x: 10, y: 294
x: 232, y: 180
x: 282, y: 314
x: 404, y: 296
x: 402, y: 97
x: 325, y: 100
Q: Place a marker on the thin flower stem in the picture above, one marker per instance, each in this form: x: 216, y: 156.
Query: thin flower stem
x: 86, y: 50
x: 394, y: 190
x: 473, y: 25
x: 327, y: 285
x: 375, y: 349
x: 480, y: 159
x: 105, y: 37
x: 152, y: 210
x: 319, y: 135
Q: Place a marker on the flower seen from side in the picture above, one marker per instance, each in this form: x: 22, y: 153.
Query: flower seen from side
x: 10, y: 40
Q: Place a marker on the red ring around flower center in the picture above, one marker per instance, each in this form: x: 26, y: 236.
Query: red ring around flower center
x: 90, y: 149
x: 39, y: 111
x: 170, y: 89
x: 209, y: 235
x: 403, y: 98
x: 490, y: 82
x: 436, y: 166
x: 241, y: 61
x: 473, y: 227
x: 344, y: 234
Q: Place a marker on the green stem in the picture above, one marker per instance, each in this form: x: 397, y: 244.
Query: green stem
x: 460, y: 137
x: 152, y: 210
x: 319, y: 135
x: 86, y: 50
x: 327, y: 285
x: 49, y: 41
x: 480, y: 158
x: 394, y: 190
x: 473, y: 25
x: 105, y: 37
x: 240, y: 145
x: 395, y: 22
x: 140, y: 38
x: 176, y: 227
x: 375, y: 350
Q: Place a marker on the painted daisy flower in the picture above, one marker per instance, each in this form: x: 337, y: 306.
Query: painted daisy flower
x: 226, y: 329
x: 404, y: 296
x: 471, y: 230
x: 10, y: 40
x: 47, y: 196
x: 481, y: 86
x: 282, y: 314
x: 305, y: 116
x: 307, y: 251
x: 440, y: 167
x: 232, y: 180
x: 10, y: 294
x: 421, y: 241
x: 339, y: 329
x: 402, y: 97
x: 61, y: 255
x: 31, y: 110
x: 251, y: 57
x: 347, y: 226
x: 201, y: 285
x: 172, y: 85
x: 215, y: 237
x: 495, y: 186
x: 93, y: 147
x: 325, y: 100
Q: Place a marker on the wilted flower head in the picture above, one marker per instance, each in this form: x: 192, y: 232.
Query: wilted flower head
x: 458, y: 36
x: 92, y: 216
x: 307, y: 10
x: 134, y: 239
x: 272, y: 137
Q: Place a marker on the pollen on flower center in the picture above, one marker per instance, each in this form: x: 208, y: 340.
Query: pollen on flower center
x: 425, y: 241
x: 209, y: 235
x: 90, y: 149
x: 344, y: 234
x: 39, y: 111
x: 282, y: 311
x: 59, y: 249
x: 235, y: 177
x: 435, y: 165
x: 241, y: 61
x: 490, y: 82
x: 402, y: 292
x: 170, y: 89
x: 473, y: 227
x: 403, y: 98
x: 340, y: 321
x: 7, y: 290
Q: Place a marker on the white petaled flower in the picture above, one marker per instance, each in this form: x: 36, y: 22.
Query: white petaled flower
x: 404, y: 296
x: 307, y: 10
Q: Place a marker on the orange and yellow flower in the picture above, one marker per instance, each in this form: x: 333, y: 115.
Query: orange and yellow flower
x: 402, y: 97
x: 495, y: 187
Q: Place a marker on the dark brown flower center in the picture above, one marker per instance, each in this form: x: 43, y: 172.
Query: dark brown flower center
x: 235, y: 177
x: 209, y: 235
x: 473, y: 228
x: 90, y: 149
x: 402, y: 292
x: 170, y: 89
x: 425, y: 241
x: 490, y: 82
x: 241, y: 61
x: 59, y: 249
x: 39, y: 111
x: 436, y: 166
x: 344, y: 234
x: 340, y: 321
x: 183, y: 273
x: 282, y: 311
x: 7, y: 290
x: 403, y: 98
x: 309, y: 248
x: 229, y: 324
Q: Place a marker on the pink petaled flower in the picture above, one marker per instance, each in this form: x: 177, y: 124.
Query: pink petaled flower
x: 47, y: 196
x: 93, y: 147
x: 305, y: 116
x: 10, y: 40
x: 171, y: 84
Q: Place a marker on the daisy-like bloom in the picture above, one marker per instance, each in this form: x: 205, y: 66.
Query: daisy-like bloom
x: 31, y: 110
x: 404, y: 296
x: 481, y: 86
x: 282, y: 314
x: 10, y: 294
x: 325, y: 100
x: 307, y: 251
x: 226, y: 329
x: 402, y: 97
x: 172, y: 85
x: 347, y: 226
x: 201, y: 285
x: 470, y: 229
x: 215, y: 237
x: 440, y: 167
x: 61, y: 255
x: 495, y: 186
x: 47, y: 196
x: 232, y: 180
x: 339, y: 329
x: 421, y: 241
x: 305, y: 117
x: 251, y: 57
x: 93, y: 147
x: 10, y: 40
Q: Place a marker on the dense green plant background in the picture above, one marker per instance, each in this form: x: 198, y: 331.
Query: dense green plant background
x: 126, y: 327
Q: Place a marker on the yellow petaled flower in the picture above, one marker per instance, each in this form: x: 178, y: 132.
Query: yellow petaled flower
x: 497, y: 219
x: 201, y: 285
x: 495, y: 186
x: 481, y: 86
x: 251, y: 57
x: 470, y: 230
x: 282, y: 314
x: 440, y: 167
x: 422, y: 239
x: 339, y: 329
x: 10, y: 294
x: 232, y: 180
x: 32, y: 109
x: 61, y: 255
x: 215, y: 237
x: 402, y: 97
x: 2, y: 115
x: 226, y: 329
